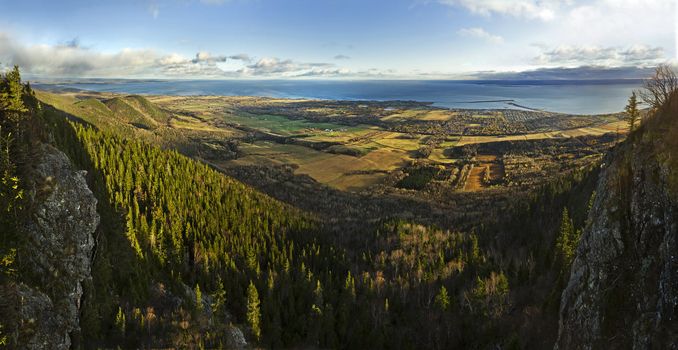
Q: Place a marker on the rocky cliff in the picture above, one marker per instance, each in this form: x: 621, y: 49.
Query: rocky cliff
x: 623, y: 287
x: 59, y: 246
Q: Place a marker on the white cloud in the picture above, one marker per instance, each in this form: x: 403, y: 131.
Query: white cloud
x: 326, y: 72
x: 480, y: 33
x: 289, y: 68
x: 605, y: 21
x: 576, y: 73
x: 64, y: 60
x: 72, y: 60
x: 241, y: 57
x: 544, y: 10
x: 206, y: 57
x: 640, y: 55
x: 342, y: 57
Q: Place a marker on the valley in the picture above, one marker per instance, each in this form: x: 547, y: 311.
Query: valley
x: 361, y: 146
x: 445, y: 174
x: 436, y: 227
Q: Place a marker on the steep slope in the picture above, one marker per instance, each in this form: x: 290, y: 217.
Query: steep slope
x: 58, y: 234
x: 95, y: 107
x: 181, y: 254
x: 131, y: 111
x: 623, y: 287
x: 122, y: 114
x: 170, y: 223
x: 147, y: 108
x: 91, y: 110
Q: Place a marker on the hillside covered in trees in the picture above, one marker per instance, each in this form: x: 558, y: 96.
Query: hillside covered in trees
x: 186, y: 256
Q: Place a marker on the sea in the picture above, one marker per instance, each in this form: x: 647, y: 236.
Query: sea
x: 564, y: 96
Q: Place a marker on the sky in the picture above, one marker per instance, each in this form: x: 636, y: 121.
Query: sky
x: 337, y: 39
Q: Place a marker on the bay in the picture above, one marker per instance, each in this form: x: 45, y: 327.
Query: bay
x: 565, y: 96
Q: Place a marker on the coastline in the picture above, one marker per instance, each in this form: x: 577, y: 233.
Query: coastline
x: 572, y: 97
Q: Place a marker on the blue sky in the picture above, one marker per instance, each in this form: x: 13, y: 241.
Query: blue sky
x: 356, y: 39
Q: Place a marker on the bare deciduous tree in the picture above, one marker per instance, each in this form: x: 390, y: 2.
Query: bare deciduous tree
x: 659, y: 88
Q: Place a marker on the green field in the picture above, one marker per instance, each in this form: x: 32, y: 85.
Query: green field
x: 345, y: 154
x: 284, y: 126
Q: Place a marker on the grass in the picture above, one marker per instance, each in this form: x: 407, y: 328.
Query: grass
x: 327, y: 170
x: 283, y: 126
x: 393, y: 141
x: 438, y: 155
x: 437, y: 115
x: 183, y: 124
x: 362, y: 157
x: 405, y: 115
x: 129, y: 114
x: 387, y: 159
x: 95, y: 106
x: 65, y: 103
x: 357, y: 182
x: 147, y: 108
x: 340, y: 136
x: 337, y: 170
x: 90, y: 110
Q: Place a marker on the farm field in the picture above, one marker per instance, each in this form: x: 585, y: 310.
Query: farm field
x: 350, y: 146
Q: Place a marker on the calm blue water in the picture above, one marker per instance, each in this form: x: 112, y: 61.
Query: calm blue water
x: 577, y: 97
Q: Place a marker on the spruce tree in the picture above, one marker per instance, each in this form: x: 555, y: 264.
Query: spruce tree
x: 253, y: 311
x: 120, y: 321
x: 632, y: 113
x: 198, y: 298
x: 567, y: 240
x: 442, y: 299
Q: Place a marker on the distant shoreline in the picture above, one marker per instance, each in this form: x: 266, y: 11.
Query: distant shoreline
x: 485, y: 101
x: 566, y: 97
x: 389, y: 103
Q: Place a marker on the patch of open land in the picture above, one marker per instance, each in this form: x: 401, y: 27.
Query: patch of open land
x: 397, y: 146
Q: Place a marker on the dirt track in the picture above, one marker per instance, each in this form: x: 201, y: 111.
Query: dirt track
x: 474, y: 182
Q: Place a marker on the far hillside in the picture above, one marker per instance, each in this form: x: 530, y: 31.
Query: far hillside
x: 116, y: 112
x: 138, y: 111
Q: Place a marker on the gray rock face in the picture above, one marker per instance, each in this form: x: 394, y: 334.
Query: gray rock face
x: 60, y: 240
x: 236, y: 339
x: 623, y: 287
x: 41, y: 325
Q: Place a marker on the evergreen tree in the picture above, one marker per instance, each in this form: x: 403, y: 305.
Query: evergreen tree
x: 219, y: 298
x: 632, y: 113
x: 563, y: 240
x: 198, y: 298
x: 120, y: 321
x: 12, y: 113
x: 253, y: 310
x: 11, y: 95
x: 567, y: 240
x: 442, y: 299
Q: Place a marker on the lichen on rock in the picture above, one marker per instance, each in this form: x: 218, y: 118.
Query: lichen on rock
x: 60, y: 243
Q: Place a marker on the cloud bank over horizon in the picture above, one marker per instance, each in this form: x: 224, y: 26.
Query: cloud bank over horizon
x: 71, y: 60
x: 264, y: 39
x: 74, y: 60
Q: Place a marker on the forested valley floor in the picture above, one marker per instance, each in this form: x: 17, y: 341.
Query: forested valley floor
x: 186, y: 254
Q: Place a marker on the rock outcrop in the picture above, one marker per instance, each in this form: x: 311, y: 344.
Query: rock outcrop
x: 623, y: 287
x: 60, y: 244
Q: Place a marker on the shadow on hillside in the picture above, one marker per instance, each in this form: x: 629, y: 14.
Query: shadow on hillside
x: 117, y: 272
